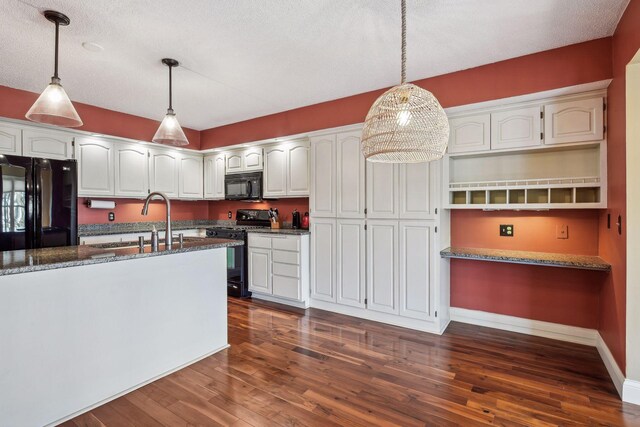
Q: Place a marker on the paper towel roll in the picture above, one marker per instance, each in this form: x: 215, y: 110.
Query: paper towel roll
x: 101, y: 204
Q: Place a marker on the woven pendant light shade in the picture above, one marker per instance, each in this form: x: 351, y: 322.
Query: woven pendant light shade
x: 406, y: 124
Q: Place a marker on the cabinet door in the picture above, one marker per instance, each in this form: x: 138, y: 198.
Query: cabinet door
x: 164, y: 170
x: 574, y: 121
x: 234, y: 162
x: 470, y: 133
x: 275, y: 171
x: 323, y: 252
x: 382, y: 190
x: 350, y: 262
x: 516, y: 128
x: 260, y: 270
x: 191, y: 177
x: 10, y: 140
x: 382, y: 266
x: 416, y: 275
x: 322, y: 202
x: 350, y: 176
x: 131, y: 170
x: 214, y: 171
x: 95, y: 167
x: 418, y: 190
x: 252, y: 159
x: 298, y: 169
x: 47, y: 144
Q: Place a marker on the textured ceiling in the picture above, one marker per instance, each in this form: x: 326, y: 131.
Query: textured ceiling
x: 248, y: 58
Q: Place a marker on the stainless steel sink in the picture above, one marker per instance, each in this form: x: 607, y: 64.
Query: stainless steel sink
x: 132, y: 244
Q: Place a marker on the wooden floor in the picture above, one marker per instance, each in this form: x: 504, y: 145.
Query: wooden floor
x: 322, y: 369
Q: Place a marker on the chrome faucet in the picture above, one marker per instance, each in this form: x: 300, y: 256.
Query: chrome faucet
x: 168, y: 237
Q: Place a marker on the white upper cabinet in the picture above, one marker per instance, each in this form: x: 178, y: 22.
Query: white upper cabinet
x: 164, y: 171
x: 322, y: 202
x: 350, y: 181
x: 298, y: 169
x: 323, y: 254
x: 95, y: 167
x: 48, y: 144
x: 416, y: 273
x: 470, y: 133
x: 191, y: 177
x: 249, y: 160
x: 234, y: 162
x: 418, y: 190
x: 131, y: 170
x: 515, y: 128
x: 10, y: 140
x: 252, y: 159
x: 382, y: 190
x: 574, y: 121
x: 275, y: 171
x: 350, y: 262
x: 382, y: 266
x: 214, y: 171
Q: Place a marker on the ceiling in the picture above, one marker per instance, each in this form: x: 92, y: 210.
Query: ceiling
x: 247, y: 58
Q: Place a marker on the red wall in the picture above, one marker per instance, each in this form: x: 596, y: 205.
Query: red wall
x: 128, y: 210
x: 532, y: 292
x: 15, y: 103
x: 626, y: 42
x: 218, y: 209
x: 566, y: 66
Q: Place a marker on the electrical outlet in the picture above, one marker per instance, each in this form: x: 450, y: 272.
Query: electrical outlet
x: 562, y: 231
x: 506, y: 230
x: 229, y: 215
x: 112, y: 216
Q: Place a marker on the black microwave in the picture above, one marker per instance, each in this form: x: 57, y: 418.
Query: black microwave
x: 243, y: 186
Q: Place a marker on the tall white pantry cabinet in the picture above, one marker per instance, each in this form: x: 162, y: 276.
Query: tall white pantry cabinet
x: 375, y: 236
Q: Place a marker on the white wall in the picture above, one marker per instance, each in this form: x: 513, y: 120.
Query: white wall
x: 74, y: 337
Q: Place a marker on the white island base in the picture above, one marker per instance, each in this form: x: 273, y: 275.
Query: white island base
x: 74, y: 338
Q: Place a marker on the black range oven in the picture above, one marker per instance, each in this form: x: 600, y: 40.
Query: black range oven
x: 237, y: 265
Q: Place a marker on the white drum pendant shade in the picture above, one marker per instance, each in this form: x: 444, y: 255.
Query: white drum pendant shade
x: 406, y: 124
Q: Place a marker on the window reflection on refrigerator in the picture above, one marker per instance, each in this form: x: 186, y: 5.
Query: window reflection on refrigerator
x: 13, y: 198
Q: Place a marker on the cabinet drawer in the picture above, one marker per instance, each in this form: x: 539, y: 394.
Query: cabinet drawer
x: 286, y: 257
x: 286, y: 287
x: 257, y: 241
x: 286, y: 243
x: 288, y: 270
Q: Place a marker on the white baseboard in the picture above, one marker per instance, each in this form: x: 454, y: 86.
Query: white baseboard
x: 129, y: 390
x: 610, y: 363
x: 538, y: 328
x: 631, y: 391
x: 284, y: 301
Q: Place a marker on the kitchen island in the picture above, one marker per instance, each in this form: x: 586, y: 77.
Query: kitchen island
x: 81, y: 325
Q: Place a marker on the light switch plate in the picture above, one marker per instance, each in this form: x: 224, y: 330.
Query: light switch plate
x: 562, y: 231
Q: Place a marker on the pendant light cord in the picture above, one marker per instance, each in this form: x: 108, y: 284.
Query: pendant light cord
x: 55, y: 70
x: 403, y: 6
x: 170, y: 89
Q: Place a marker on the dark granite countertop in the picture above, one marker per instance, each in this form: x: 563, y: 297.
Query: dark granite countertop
x: 294, y: 231
x: 583, y: 262
x: 29, y: 260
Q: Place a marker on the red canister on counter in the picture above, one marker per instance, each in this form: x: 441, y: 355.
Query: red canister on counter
x: 305, y: 221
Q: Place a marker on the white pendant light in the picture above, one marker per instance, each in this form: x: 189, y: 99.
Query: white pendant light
x: 170, y: 132
x: 406, y: 124
x: 53, y: 106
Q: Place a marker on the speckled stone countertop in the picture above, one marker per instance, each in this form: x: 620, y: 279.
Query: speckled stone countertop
x: 29, y: 260
x: 294, y: 231
x: 141, y: 227
x: 582, y: 262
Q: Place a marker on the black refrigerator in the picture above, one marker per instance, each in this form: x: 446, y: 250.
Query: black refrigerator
x: 39, y: 203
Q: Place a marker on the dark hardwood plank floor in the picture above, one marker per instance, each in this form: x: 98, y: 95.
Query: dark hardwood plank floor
x: 288, y: 368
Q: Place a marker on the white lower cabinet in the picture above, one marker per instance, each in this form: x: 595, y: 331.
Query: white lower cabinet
x: 382, y: 266
x: 279, y: 268
x: 323, y: 265
x: 350, y: 262
x: 416, y: 275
